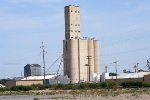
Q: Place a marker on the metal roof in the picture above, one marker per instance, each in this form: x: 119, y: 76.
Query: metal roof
x: 38, y: 77
x: 128, y: 75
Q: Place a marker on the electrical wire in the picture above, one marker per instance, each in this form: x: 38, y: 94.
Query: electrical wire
x: 53, y: 64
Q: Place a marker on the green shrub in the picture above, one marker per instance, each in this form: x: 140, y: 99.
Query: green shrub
x: 132, y: 84
x: 60, y: 86
x: 69, y: 86
x: 3, y: 89
x: 48, y: 86
x: 112, y: 85
x: 108, y: 85
x: 21, y: 88
x: 146, y: 84
x: 84, y: 86
x: 94, y: 85
x: 36, y: 86
x: 55, y: 86
x: 103, y: 84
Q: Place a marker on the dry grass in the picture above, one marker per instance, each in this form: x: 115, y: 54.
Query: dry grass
x: 91, y: 92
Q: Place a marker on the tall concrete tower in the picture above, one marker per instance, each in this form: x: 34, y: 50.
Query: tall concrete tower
x: 72, y: 22
x: 81, y: 55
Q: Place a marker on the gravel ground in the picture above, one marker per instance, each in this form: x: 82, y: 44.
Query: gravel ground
x: 79, y: 97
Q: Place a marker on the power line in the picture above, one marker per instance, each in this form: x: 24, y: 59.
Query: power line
x: 53, y: 63
x: 59, y: 68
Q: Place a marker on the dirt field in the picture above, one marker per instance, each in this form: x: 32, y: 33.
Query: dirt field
x: 71, y: 97
x: 96, y: 94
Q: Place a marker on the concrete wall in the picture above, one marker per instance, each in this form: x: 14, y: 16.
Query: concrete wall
x: 147, y: 78
x: 23, y: 83
x: 10, y: 83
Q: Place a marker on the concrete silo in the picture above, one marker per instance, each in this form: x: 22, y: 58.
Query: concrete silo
x: 91, y: 58
x: 96, y: 57
x: 80, y: 54
x: 74, y: 62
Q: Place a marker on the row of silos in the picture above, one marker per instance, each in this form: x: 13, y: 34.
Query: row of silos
x: 81, y: 59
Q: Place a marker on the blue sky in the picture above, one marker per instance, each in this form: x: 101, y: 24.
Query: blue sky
x: 122, y: 26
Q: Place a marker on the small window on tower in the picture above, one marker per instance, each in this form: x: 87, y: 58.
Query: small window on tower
x: 71, y: 10
x: 75, y: 24
x: 78, y: 11
x: 75, y: 11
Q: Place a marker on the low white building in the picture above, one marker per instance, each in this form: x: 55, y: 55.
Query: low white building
x: 137, y: 75
x: 2, y: 86
x: 38, y: 77
x: 50, y: 79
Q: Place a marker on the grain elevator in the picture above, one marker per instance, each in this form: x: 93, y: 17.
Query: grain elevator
x: 80, y: 54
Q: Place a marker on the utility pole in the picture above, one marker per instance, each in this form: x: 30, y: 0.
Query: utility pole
x: 89, y: 69
x: 116, y: 68
x: 106, y: 69
x: 21, y: 74
x: 43, y: 56
x: 137, y: 70
x: 137, y: 67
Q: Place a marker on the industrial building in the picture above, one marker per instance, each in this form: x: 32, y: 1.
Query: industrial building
x: 50, y: 79
x: 32, y: 70
x: 143, y: 76
x: 81, y: 54
x: 12, y: 83
x: 30, y: 80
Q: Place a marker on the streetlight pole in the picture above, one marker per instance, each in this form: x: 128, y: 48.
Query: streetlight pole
x: 137, y: 70
x: 116, y: 68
